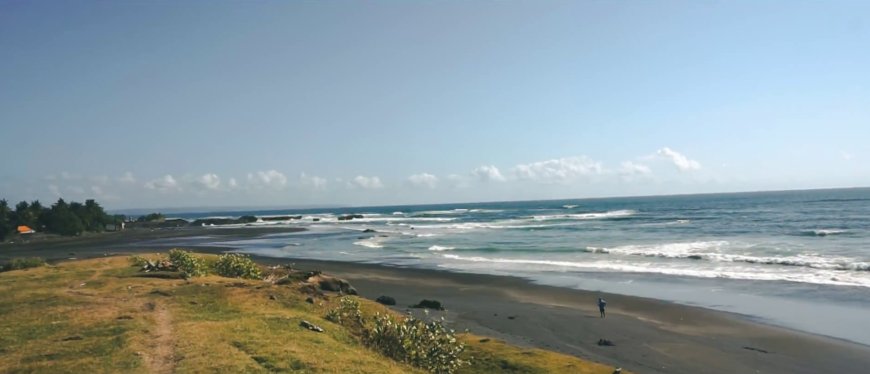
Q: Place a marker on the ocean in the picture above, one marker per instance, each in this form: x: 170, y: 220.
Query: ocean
x: 799, y: 259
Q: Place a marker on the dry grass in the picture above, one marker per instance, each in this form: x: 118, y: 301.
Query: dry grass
x: 103, y: 315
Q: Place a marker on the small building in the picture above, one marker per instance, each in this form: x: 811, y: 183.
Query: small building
x: 115, y: 226
x: 25, y: 230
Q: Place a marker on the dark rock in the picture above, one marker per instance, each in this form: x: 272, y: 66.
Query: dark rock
x: 348, y: 217
x: 309, y: 289
x: 429, y: 304
x: 756, y: 349
x: 73, y: 337
x: 333, y: 284
x: 310, y: 326
x: 512, y: 317
x: 273, y: 297
x: 605, y: 342
x: 484, y: 340
x: 386, y: 300
x: 309, y: 300
x: 313, y: 273
x: 369, y: 230
x: 124, y: 317
x: 280, y: 218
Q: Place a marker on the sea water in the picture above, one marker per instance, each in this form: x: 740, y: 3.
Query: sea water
x: 800, y: 259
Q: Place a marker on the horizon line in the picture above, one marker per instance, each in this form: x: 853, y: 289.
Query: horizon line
x: 205, y: 209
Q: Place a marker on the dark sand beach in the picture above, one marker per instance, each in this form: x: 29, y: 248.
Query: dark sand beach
x: 650, y: 336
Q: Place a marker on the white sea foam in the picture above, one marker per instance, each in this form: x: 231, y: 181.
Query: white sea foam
x: 569, y: 206
x: 824, y: 232
x: 716, y: 251
x: 370, y: 243
x: 831, y: 277
x: 584, y: 216
x: 440, y: 248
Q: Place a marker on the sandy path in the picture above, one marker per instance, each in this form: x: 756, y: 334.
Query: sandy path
x: 161, y: 355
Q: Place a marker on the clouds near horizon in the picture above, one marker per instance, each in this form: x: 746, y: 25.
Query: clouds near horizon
x: 570, y: 172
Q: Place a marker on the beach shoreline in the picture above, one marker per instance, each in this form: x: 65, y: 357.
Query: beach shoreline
x: 650, y: 335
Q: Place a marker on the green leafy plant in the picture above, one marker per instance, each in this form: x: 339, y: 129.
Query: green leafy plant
x: 22, y: 263
x: 347, y: 312
x: 138, y: 261
x: 187, y: 263
x: 234, y: 265
x: 427, y: 345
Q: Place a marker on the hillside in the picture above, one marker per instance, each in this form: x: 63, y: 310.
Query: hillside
x: 105, y: 315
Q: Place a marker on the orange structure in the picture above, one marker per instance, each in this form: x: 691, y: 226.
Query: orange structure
x: 25, y: 230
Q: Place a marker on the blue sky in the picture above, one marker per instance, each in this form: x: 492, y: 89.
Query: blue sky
x: 210, y: 103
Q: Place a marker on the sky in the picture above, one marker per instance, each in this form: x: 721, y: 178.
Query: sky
x: 143, y: 104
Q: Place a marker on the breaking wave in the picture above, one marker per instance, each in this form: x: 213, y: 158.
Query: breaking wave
x: 816, y: 277
x: 710, y: 251
x: 823, y: 232
x: 584, y: 216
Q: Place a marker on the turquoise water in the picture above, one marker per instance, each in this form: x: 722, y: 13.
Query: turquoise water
x: 753, y: 253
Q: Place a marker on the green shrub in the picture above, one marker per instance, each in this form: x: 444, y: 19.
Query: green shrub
x: 427, y: 345
x: 234, y: 265
x: 22, y: 263
x: 347, y: 312
x: 187, y: 263
x: 138, y: 261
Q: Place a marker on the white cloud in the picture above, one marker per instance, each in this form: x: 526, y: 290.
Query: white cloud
x: 127, y: 178
x: 680, y: 161
x: 562, y: 169
x: 55, y: 190
x: 100, y: 179
x: 208, y: 181
x: 423, y: 180
x: 846, y: 155
x: 312, y: 181
x: 457, y: 181
x: 367, y: 182
x: 163, y: 184
x: 69, y: 176
x: 488, y: 173
x: 232, y: 183
x: 268, y: 178
x: 628, y: 168
x: 102, y: 195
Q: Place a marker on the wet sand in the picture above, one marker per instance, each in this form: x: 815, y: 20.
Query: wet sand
x: 650, y: 336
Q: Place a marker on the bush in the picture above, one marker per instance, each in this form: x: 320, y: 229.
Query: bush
x: 347, y: 312
x: 234, y: 265
x: 187, y: 263
x: 429, y: 346
x: 138, y: 261
x: 22, y: 263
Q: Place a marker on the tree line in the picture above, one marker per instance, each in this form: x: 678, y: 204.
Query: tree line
x: 61, y: 217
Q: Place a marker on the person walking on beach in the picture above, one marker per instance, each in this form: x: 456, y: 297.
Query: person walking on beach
x: 601, y: 304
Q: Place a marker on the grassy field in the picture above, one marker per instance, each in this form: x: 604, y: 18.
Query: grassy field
x: 104, y: 315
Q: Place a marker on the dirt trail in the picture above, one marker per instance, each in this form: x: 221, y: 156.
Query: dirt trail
x: 161, y: 355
